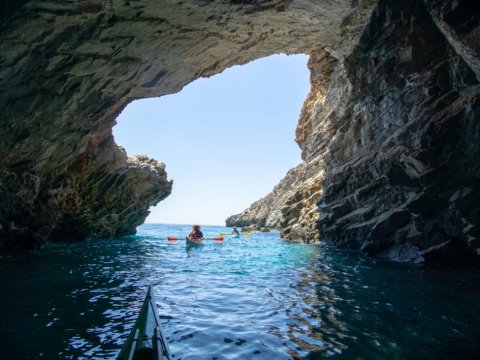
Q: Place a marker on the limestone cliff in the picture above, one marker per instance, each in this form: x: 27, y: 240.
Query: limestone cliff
x: 292, y: 205
x: 396, y: 127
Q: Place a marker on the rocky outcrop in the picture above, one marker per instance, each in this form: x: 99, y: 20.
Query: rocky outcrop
x: 291, y: 207
x: 266, y: 212
x: 254, y: 228
x: 90, y: 202
x: 396, y: 125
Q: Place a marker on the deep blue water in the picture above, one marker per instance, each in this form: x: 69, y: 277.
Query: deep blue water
x: 255, y: 297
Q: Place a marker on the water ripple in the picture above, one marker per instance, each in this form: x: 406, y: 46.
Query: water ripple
x: 256, y: 297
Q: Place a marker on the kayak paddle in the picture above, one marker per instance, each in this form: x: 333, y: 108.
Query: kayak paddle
x: 173, y: 238
x: 225, y: 234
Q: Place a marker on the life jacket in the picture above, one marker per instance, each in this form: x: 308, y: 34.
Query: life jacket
x: 196, y: 234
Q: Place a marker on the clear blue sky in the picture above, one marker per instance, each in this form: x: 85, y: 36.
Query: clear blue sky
x: 226, y: 140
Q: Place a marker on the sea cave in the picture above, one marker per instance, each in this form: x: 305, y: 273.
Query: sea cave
x: 389, y: 132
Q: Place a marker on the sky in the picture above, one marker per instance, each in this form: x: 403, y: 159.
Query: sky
x: 226, y: 140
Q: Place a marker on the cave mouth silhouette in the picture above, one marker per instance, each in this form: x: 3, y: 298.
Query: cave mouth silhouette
x: 69, y: 81
x: 234, y: 131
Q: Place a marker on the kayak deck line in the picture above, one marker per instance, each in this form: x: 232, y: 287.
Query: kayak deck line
x: 146, y: 340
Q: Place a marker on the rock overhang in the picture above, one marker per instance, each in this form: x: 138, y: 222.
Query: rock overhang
x: 69, y: 68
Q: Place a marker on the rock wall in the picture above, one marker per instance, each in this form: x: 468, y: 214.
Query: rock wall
x: 87, y: 201
x: 402, y: 176
x: 69, y: 67
x: 397, y: 131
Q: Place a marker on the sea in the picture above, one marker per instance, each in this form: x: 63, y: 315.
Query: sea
x: 252, y: 297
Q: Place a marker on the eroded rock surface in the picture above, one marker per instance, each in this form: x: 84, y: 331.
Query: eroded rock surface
x: 396, y: 126
x: 402, y: 175
x: 290, y: 207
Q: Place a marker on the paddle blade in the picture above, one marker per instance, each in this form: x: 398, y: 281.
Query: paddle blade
x: 172, y: 238
x: 223, y: 233
x: 218, y: 239
x: 247, y: 234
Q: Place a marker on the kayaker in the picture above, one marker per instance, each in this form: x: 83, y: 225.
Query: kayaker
x: 235, y: 231
x: 195, y: 234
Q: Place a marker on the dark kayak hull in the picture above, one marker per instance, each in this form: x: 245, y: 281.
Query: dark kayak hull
x: 146, y: 340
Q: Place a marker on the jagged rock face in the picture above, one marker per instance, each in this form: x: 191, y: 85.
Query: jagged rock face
x: 291, y: 206
x: 90, y: 202
x: 68, y: 68
x: 397, y: 130
x: 402, y: 176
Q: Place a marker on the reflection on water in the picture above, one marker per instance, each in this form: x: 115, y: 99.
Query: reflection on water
x: 245, y: 298
x: 354, y: 307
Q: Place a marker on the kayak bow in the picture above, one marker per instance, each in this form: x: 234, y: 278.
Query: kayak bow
x: 146, y: 340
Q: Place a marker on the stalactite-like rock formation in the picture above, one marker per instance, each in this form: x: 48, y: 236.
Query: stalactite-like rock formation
x: 389, y: 133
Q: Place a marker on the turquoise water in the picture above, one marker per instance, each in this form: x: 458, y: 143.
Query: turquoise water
x: 247, y: 298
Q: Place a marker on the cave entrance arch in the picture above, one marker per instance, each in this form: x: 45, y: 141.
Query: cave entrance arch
x: 68, y: 69
x: 66, y: 83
